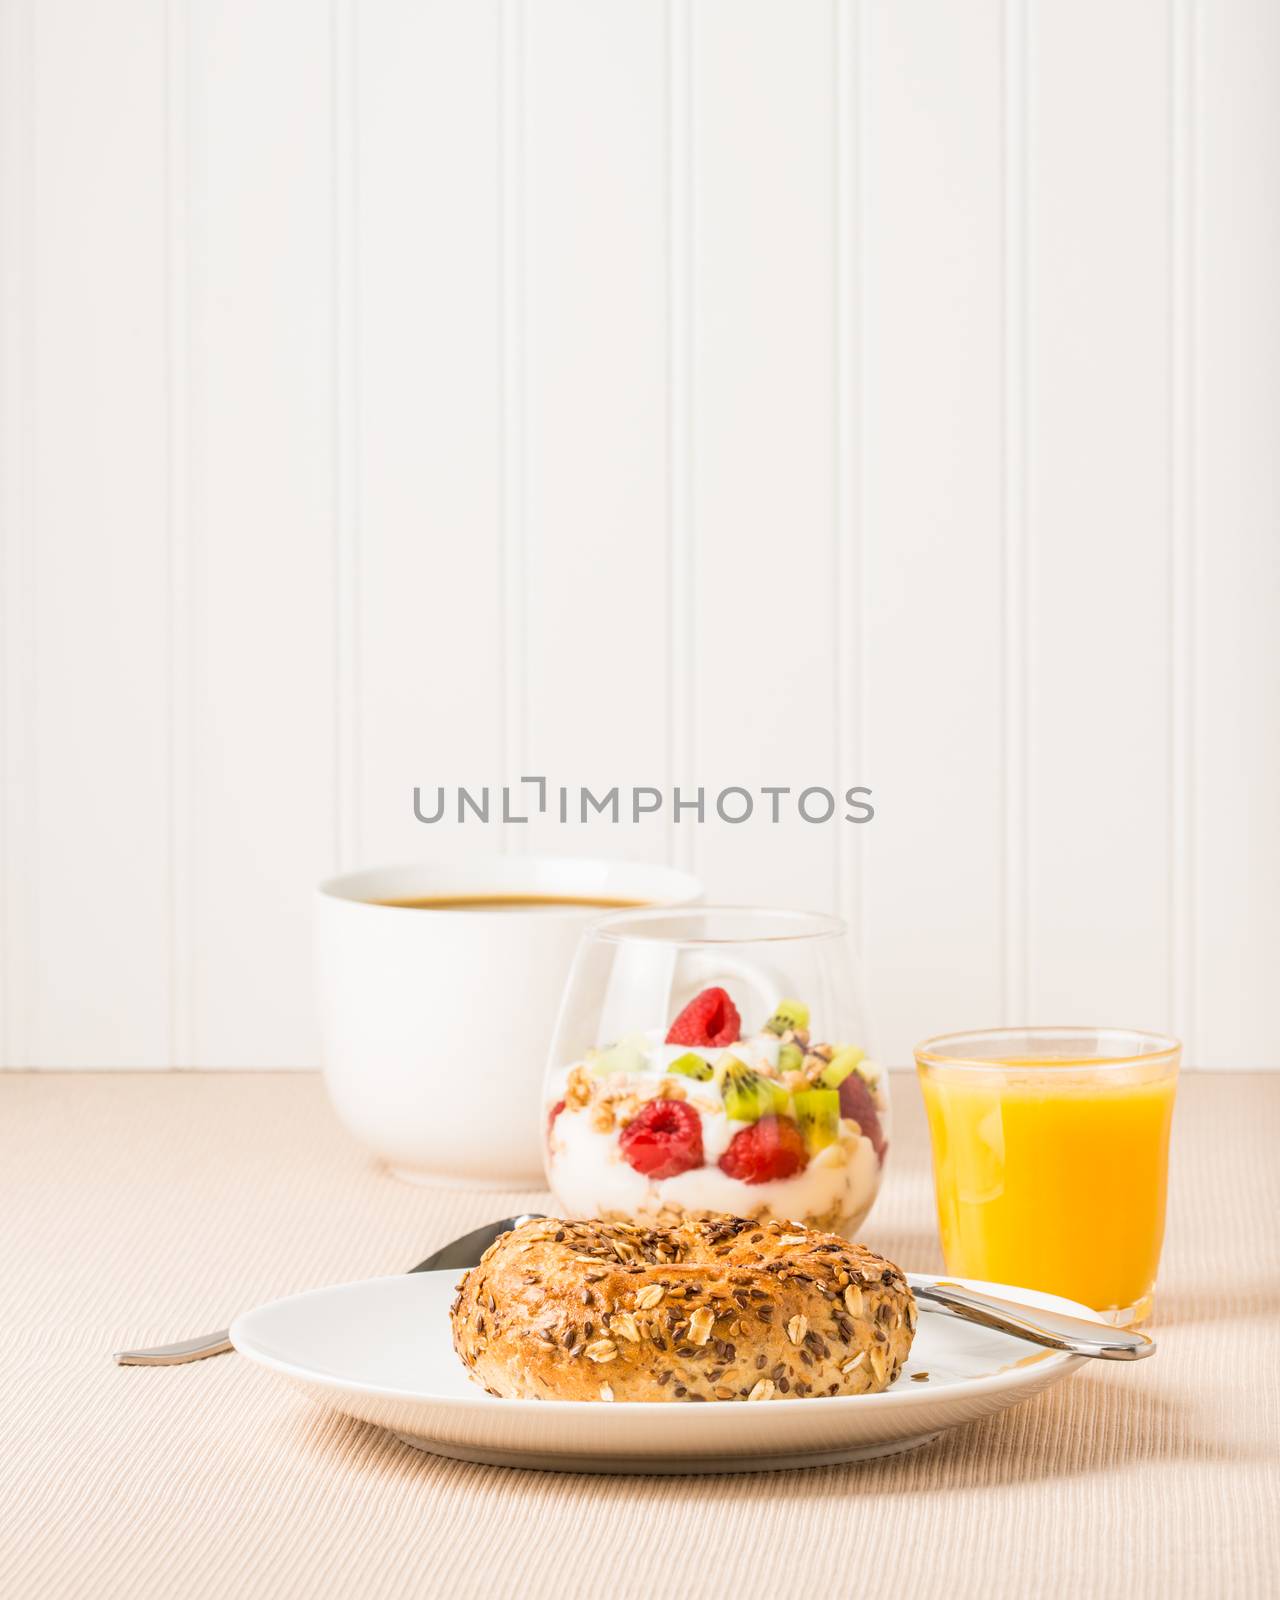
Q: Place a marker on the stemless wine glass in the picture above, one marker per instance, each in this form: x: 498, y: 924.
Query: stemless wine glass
x: 715, y: 1059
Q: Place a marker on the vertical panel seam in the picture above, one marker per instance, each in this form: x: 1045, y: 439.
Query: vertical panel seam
x: 511, y: 382
x: 1182, y: 520
x: 346, y: 433
x: 178, y: 531
x: 849, y: 287
x: 1016, y: 515
x: 28, y: 1015
x: 13, y: 318
x: 20, y: 931
x: 681, y: 566
x: 10, y: 319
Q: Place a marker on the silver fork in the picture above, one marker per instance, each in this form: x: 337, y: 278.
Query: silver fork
x: 464, y: 1252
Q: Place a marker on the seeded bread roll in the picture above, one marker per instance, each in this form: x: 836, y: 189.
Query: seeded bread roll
x: 716, y: 1308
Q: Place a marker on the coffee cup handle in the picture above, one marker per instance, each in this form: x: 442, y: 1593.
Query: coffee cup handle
x: 764, y: 987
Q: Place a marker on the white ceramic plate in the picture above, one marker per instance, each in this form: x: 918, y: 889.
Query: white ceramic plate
x: 381, y: 1350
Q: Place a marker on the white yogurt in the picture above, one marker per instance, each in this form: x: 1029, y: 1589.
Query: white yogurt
x: 590, y: 1175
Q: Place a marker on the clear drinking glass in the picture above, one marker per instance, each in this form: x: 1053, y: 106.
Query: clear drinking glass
x: 1051, y: 1156
x: 715, y: 1059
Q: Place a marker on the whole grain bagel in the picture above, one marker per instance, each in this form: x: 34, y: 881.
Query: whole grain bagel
x: 716, y: 1308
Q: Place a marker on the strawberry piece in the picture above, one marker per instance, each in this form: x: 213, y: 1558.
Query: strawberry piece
x: 856, y: 1102
x: 663, y: 1139
x: 768, y: 1149
x: 710, y: 1018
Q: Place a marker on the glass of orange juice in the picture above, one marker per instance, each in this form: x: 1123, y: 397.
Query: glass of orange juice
x: 1051, y: 1157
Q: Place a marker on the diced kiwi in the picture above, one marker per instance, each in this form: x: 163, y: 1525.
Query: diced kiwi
x: 621, y: 1057
x: 692, y: 1065
x: 790, y: 1014
x: 818, y: 1116
x: 748, y: 1095
x: 840, y: 1066
x: 790, y: 1057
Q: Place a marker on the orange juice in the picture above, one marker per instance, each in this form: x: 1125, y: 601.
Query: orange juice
x: 1051, y: 1173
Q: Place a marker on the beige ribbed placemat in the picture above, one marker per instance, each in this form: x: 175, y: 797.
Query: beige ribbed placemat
x: 143, y: 1208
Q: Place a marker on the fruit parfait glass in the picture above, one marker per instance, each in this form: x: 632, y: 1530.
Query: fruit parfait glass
x: 715, y: 1059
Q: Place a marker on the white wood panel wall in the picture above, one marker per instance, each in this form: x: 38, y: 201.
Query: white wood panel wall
x: 726, y: 391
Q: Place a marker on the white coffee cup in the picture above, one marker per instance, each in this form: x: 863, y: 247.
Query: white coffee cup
x: 435, y: 1023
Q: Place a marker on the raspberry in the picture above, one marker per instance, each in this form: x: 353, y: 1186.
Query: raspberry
x: 768, y: 1149
x: 710, y: 1018
x: 663, y: 1139
x: 551, y: 1118
x: 856, y: 1102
